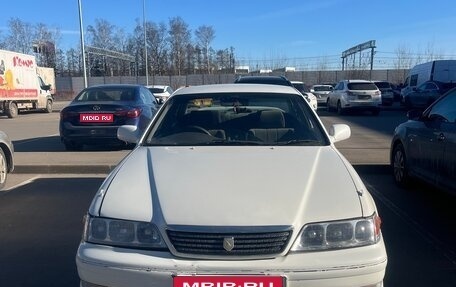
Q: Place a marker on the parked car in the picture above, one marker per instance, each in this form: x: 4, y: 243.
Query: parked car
x: 96, y: 112
x: 160, y: 92
x: 6, y: 158
x: 424, y: 147
x: 271, y: 80
x: 305, y: 91
x: 425, y: 94
x: 321, y: 92
x: 282, y: 81
x: 229, y: 185
x: 351, y: 95
x: 387, y: 92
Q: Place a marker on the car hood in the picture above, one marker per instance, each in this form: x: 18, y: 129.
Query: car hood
x: 231, y: 186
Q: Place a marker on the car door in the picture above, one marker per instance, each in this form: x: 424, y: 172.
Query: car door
x: 425, y: 150
x: 431, y: 93
x: 444, y: 112
x: 418, y: 96
x: 335, y: 94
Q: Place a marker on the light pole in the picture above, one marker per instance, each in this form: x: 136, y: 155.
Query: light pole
x: 81, y: 29
x: 145, y: 42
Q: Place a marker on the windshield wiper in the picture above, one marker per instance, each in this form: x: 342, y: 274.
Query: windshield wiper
x: 299, y: 142
x: 230, y: 142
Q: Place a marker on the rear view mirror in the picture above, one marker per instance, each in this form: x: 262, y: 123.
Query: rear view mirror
x: 128, y: 133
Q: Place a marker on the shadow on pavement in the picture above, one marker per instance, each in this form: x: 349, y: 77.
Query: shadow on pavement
x: 53, y: 144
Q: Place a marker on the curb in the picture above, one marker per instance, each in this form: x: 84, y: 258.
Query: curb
x: 63, y: 169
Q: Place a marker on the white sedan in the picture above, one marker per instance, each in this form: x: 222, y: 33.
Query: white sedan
x: 229, y: 187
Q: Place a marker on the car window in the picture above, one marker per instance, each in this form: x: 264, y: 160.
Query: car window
x: 236, y: 118
x: 445, y: 108
x: 361, y: 86
x: 422, y: 87
x: 413, y: 80
x: 383, y: 85
x: 157, y: 90
x: 431, y: 86
x: 147, y: 96
x: 107, y: 94
x: 339, y: 86
x: 322, y: 88
x: 301, y: 87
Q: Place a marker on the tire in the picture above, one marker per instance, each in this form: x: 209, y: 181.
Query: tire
x: 399, y: 166
x: 12, y: 110
x: 328, y: 106
x: 48, y: 108
x: 340, y: 110
x: 3, y: 169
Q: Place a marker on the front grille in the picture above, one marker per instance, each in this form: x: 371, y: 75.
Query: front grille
x: 245, y: 244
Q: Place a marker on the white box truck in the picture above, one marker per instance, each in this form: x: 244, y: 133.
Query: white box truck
x: 438, y: 70
x: 21, y: 88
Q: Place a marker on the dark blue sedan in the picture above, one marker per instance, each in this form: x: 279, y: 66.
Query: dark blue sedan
x: 96, y: 112
x: 425, y: 146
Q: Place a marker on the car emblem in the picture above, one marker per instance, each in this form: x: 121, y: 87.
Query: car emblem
x: 228, y: 243
x: 96, y: 108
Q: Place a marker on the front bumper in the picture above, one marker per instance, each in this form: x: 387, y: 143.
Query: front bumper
x: 118, y: 267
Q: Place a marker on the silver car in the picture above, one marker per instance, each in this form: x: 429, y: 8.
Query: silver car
x: 352, y: 95
x: 321, y: 92
x: 6, y: 158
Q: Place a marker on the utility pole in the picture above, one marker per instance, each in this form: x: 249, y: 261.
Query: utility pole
x: 81, y: 29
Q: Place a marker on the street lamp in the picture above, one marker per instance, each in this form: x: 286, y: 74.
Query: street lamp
x: 82, y: 44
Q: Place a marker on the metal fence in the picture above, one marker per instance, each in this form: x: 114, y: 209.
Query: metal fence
x: 68, y: 87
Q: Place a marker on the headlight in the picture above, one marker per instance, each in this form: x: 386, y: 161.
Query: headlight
x: 117, y: 232
x: 338, y: 234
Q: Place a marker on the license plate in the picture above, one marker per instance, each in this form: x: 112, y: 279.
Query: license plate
x: 96, y: 118
x: 228, y: 281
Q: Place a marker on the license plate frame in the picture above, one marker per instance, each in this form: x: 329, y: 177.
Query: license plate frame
x: 96, y: 118
x: 228, y: 280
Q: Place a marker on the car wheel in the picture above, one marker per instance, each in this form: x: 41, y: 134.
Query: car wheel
x: 328, y: 106
x: 3, y: 169
x: 72, y: 146
x: 48, y: 108
x: 12, y: 110
x: 340, y: 110
x: 399, y: 166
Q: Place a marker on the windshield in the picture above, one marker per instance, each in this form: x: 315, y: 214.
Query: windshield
x: 322, y: 88
x: 236, y: 119
x: 301, y: 87
x: 107, y: 94
x: 157, y: 90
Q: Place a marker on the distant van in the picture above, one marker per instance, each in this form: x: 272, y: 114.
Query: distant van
x: 438, y: 70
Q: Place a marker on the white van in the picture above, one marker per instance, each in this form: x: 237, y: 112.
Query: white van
x: 438, y: 70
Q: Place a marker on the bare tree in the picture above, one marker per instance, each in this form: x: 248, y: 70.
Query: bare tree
x: 205, y: 35
x: 45, y: 45
x: 179, y: 38
x: 20, y: 38
x: 108, y: 37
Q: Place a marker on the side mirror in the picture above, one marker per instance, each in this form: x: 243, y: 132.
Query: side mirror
x: 128, y: 133
x: 339, y: 132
